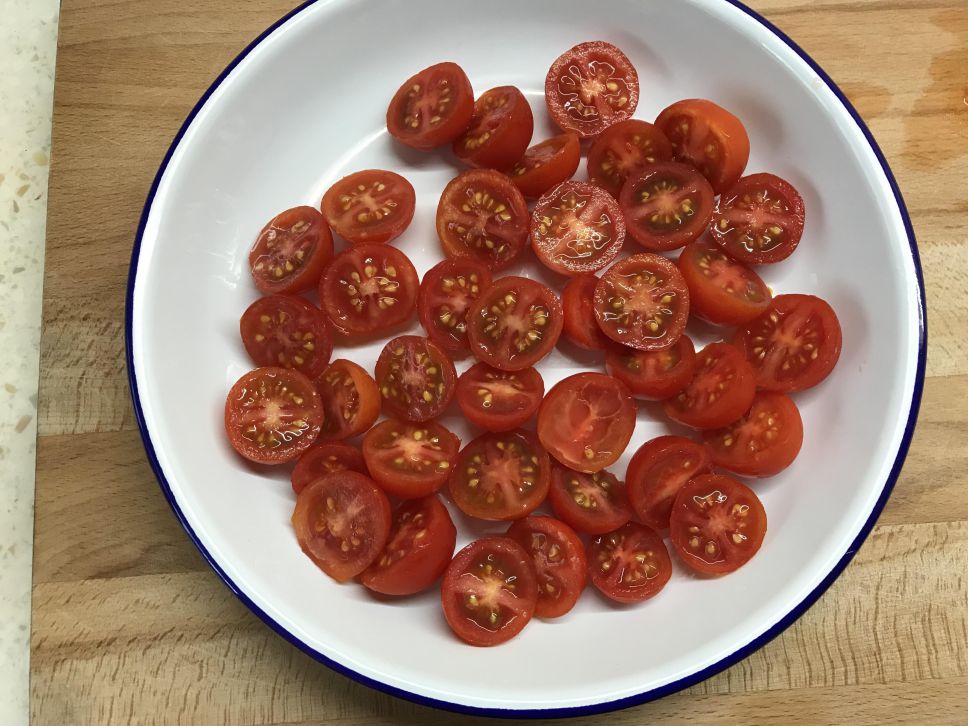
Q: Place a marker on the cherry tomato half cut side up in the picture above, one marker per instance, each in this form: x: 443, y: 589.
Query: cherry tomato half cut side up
x: 591, y: 503
x: 793, y: 345
x: 722, y: 291
x: 416, y: 378
x: 498, y: 400
x: 500, y: 130
x: 653, y: 375
x: 351, y: 400
x: 446, y: 293
x: 291, y: 251
x: 590, y: 87
x: 623, y: 151
x: 342, y: 521
x: 410, y: 460
x: 287, y: 331
x: 630, y: 564
x: 586, y: 421
x: 762, y: 443
x: 580, y: 325
x: 721, y: 390
x: 717, y: 524
x: 489, y: 591
x: 326, y: 458
x: 666, y: 206
x: 369, y: 206
x: 558, y: 556
x: 576, y: 227
x: 546, y: 165
x: 272, y: 415
x: 431, y: 108
x: 418, y: 550
x: 482, y: 215
x: 656, y: 473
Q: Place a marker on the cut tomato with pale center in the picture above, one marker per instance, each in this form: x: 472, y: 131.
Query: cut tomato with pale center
x: 759, y: 220
x: 546, y: 165
x: 593, y: 503
x: 624, y: 150
x: 447, y: 292
x: 416, y: 378
x: 499, y: 400
x: 431, y: 108
x: 558, y: 556
x: 630, y: 564
x: 500, y: 129
x: 721, y: 389
x: 410, y: 460
x: 287, y: 331
x: 762, y: 443
x: 369, y: 206
x: 721, y: 290
x: 350, y: 400
x: 291, y: 251
x: 666, y: 206
x: 656, y: 473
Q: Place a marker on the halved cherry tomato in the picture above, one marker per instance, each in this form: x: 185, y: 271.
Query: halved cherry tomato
x: 762, y: 443
x: 489, y: 591
x: 410, y: 460
x: 368, y: 289
x: 546, y: 165
x: 431, y: 108
x: 759, y: 220
x: 514, y: 324
x: 350, y: 399
x: 721, y: 390
x: 342, y: 521
x: 653, y: 375
x: 642, y: 302
x: 421, y: 543
x: 291, y: 251
x: 500, y: 129
x: 500, y: 476
x: 576, y: 227
x: 272, y: 415
x: 369, y: 206
x: 717, y: 524
x: 325, y: 458
x: 590, y: 87
x: 586, y: 421
x: 416, y: 378
x: 446, y: 293
x: 499, y: 400
x: 287, y: 331
x: 630, y: 564
x: 666, y: 206
x: 709, y: 138
x: 482, y: 215
x: 793, y: 345
x: 591, y: 503
x: 558, y: 556
x: 623, y: 151
x: 580, y: 326
x: 656, y: 473
x: 721, y: 290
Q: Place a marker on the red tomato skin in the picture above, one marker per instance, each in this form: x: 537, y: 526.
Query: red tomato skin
x: 451, y: 127
x: 471, y: 404
x: 647, y: 462
x: 729, y: 404
x: 759, y: 459
x: 560, y: 166
x: 635, y: 368
x: 507, y: 141
x: 622, y: 591
x: 380, y: 231
x: 572, y: 557
x: 325, y: 458
x: 321, y: 252
x: 580, y: 326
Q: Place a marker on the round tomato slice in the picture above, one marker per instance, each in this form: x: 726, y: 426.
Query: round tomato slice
x: 499, y: 400
x: 369, y: 206
x: 653, y: 375
x: 369, y: 289
x: 342, y: 521
x: 558, y: 556
x: 642, y: 302
x: 717, y: 524
x: 446, y: 293
x: 410, y: 460
x: 656, y: 473
x: 501, y: 476
x: 721, y: 390
x: 500, y: 129
x: 489, y: 591
x: 287, y: 331
x: 291, y: 251
x: 431, y: 108
x: 793, y: 345
x: 721, y: 290
x: 666, y: 206
x: 590, y: 87
x: 586, y: 421
x: 546, y: 165
x: 482, y: 215
x: 350, y: 399
x: 514, y: 324
x: 580, y: 326
x: 421, y: 543
x: 709, y: 138
x: 592, y: 503
x: 324, y: 459
x: 272, y: 415
x: 576, y: 227
x: 630, y: 564
x: 416, y: 378
x: 623, y: 150
x: 762, y: 443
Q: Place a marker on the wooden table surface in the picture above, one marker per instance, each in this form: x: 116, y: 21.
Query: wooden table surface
x: 130, y: 625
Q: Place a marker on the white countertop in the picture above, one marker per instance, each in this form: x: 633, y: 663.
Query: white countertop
x: 28, y: 35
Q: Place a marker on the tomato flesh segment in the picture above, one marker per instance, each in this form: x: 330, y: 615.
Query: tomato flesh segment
x: 350, y: 400
x: 762, y: 443
x: 759, y: 220
x: 287, y: 331
x: 416, y: 378
x: 722, y: 291
x: 498, y: 400
x: 323, y: 459
x: 580, y: 325
x: 666, y: 206
x: 447, y: 292
x: 656, y: 473
x: 546, y: 165
x: 630, y: 564
x: 623, y: 151
x: 373, y: 206
x: 291, y: 251
x: 721, y: 390
x: 558, y: 556
x: 432, y: 107
x: 653, y: 375
x: 500, y: 129
x: 592, y: 503
x: 410, y: 460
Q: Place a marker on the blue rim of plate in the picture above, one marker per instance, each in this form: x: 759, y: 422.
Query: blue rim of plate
x: 570, y: 711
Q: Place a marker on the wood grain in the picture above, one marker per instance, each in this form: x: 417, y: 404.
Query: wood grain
x: 129, y: 625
